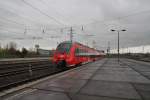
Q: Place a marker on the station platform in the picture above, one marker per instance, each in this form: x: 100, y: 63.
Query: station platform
x: 105, y: 79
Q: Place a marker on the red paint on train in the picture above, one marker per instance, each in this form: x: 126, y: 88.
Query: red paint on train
x: 71, y: 54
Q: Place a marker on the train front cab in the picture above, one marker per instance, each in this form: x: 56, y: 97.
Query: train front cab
x: 64, y: 55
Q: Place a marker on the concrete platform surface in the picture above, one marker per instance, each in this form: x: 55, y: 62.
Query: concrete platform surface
x: 102, y: 80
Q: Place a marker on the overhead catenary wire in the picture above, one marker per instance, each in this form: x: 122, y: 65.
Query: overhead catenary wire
x: 12, y: 21
x: 20, y: 24
x: 43, y: 13
x: 80, y: 25
x: 28, y: 36
x: 48, y: 29
x: 113, y: 19
x: 10, y: 31
x: 31, y: 20
x: 118, y: 18
x: 137, y: 13
x: 58, y: 13
x: 15, y: 22
x: 44, y: 30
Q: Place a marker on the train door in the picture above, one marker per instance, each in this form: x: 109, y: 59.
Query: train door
x: 77, y: 55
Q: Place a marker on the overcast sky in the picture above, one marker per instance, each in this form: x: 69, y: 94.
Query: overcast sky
x: 46, y: 22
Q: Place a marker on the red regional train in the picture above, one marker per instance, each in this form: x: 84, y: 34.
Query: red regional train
x: 69, y: 54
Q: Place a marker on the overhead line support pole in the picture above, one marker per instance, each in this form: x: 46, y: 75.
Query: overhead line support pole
x: 71, y: 34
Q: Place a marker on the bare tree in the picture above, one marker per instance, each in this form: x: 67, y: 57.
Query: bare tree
x: 12, y: 45
x: 24, y: 52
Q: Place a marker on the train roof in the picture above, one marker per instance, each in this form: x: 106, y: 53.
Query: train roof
x: 77, y: 43
x: 81, y: 44
x: 73, y: 43
x: 66, y: 42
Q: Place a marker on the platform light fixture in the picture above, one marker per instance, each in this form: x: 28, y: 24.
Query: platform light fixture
x: 118, y: 31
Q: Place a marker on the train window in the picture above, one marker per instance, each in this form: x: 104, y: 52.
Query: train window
x: 77, y: 51
x: 64, y: 47
x: 81, y: 52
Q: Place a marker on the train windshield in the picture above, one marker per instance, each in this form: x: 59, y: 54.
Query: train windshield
x: 64, y: 47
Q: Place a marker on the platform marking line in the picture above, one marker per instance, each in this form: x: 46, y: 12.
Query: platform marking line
x: 19, y: 94
x: 137, y: 91
x: 142, y: 98
x: 109, y: 97
x: 135, y: 69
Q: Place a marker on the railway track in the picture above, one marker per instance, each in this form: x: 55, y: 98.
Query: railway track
x: 12, y: 74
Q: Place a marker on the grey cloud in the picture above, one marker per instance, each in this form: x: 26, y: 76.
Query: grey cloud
x: 76, y: 12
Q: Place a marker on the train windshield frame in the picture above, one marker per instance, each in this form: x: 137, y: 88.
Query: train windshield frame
x: 64, y: 47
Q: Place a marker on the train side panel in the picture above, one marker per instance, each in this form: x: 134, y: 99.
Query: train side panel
x: 75, y: 53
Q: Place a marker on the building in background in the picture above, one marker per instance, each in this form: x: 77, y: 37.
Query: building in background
x: 44, y: 52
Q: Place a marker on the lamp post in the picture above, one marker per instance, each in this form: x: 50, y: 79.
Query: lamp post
x: 118, y: 31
